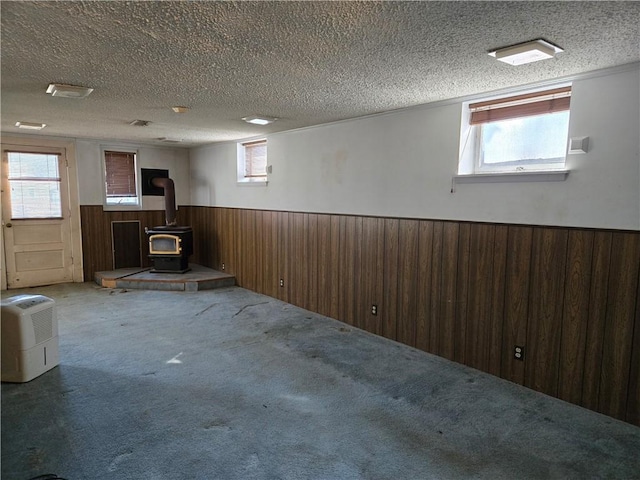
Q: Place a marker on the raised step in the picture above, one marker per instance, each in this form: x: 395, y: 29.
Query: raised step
x: 198, y: 278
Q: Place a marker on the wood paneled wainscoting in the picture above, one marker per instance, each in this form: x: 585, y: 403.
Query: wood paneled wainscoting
x: 469, y: 292
x: 97, y: 242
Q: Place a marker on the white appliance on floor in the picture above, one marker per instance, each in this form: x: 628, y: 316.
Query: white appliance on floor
x: 29, y: 337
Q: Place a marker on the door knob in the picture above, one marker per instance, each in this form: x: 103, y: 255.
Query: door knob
x: 9, y: 225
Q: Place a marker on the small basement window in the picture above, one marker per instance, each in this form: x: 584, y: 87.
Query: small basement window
x: 121, y: 185
x: 516, y: 134
x: 252, y: 162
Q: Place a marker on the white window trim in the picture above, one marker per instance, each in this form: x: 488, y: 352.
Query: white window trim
x: 470, y: 143
x: 118, y: 207
x: 241, y: 180
x: 507, y: 177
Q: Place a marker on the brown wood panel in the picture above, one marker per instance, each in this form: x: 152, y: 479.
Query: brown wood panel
x: 517, y: 279
x: 90, y: 221
x: 213, y: 238
x: 334, y: 267
x: 246, y: 255
x: 546, y: 303
x: 271, y: 284
x: 126, y: 244
x: 390, y: 279
x: 217, y: 227
x: 297, y: 250
x: 203, y: 240
x: 283, y: 255
x: 436, y: 288
x: 448, y: 282
x: 618, y: 334
x: 360, y: 289
x: 372, y: 264
x: 258, y: 239
x: 598, y: 294
x: 190, y: 215
x: 480, y: 275
x: 408, y: 231
x: 312, y: 263
x: 633, y: 395
x: 324, y: 264
x: 263, y: 231
x: 224, y: 227
x: 498, y: 285
x: 228, y: 240
x: 235, y: 240
x: 227, y: 234
x: 462, y: 294
x: 367, y: 280
x: 575, y: 316
x: 346, y: 292
x: 423, y: 295
x: 201, y: 216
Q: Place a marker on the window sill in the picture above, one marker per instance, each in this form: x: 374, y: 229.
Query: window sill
x: 120, y: 208
x: 512, y: 177
x: 252, y: 183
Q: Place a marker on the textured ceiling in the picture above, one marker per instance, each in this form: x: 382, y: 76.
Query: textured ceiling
x: 306, y: 63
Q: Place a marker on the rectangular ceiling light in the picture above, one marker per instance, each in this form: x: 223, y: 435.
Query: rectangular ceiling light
x: 68, y: 91
x: 259, y: 120
x: 30, y: 125
x: 527, y: 52
x: 139, y: 123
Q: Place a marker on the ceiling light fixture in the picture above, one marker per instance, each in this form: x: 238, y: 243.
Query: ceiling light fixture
x: 179, y: 109
x: 30, y: 125
x: 170, y: 140
x: 139, y: 123
x: 68, y: 91
x: 259, y: 120
x: 527, y: 52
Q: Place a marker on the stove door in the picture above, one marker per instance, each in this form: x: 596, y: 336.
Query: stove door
x: 162, y: 244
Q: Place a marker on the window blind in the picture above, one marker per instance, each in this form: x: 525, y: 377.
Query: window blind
x: 548, y: 101
x: 120, y: 174
x: 255, y: 158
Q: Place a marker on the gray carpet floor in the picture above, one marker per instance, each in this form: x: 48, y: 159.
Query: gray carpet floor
x: 228, y: 384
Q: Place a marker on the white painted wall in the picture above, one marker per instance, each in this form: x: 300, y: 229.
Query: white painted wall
x: 176, y: 160
x: 401, y: 164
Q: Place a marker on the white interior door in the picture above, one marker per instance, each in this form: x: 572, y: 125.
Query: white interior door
x: 36, y: 217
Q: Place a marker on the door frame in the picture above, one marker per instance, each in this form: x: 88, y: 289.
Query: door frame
x: 17, y: 142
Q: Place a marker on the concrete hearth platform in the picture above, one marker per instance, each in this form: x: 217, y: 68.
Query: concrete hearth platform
x: 198, y: 278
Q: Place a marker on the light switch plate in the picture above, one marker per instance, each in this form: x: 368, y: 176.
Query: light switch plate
x: 578, y: 145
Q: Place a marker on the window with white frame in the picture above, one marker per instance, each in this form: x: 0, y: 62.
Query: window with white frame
x: 120, y: 178
x: 34, y: 185
x: 521, y: 133
x: 252, y: 161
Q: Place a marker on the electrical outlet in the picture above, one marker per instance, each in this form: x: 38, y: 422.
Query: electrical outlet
x: 223, y: 266
x: 282, y: 282
x: 518, y: 352
x: 374, y: 309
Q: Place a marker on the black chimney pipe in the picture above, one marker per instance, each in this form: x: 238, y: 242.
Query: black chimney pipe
x: 169, y: 198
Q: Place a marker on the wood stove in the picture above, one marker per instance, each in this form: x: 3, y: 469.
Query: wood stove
x: 170, y: 248
x: 170, y: 245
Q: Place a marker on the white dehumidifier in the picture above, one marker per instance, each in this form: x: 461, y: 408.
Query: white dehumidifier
x: 29, y: 337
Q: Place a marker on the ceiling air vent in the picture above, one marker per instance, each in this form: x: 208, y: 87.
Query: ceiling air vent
x: 140, y: 123
x: 68, y: 91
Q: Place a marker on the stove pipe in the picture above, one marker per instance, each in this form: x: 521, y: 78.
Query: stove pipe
x: 169, y: 198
